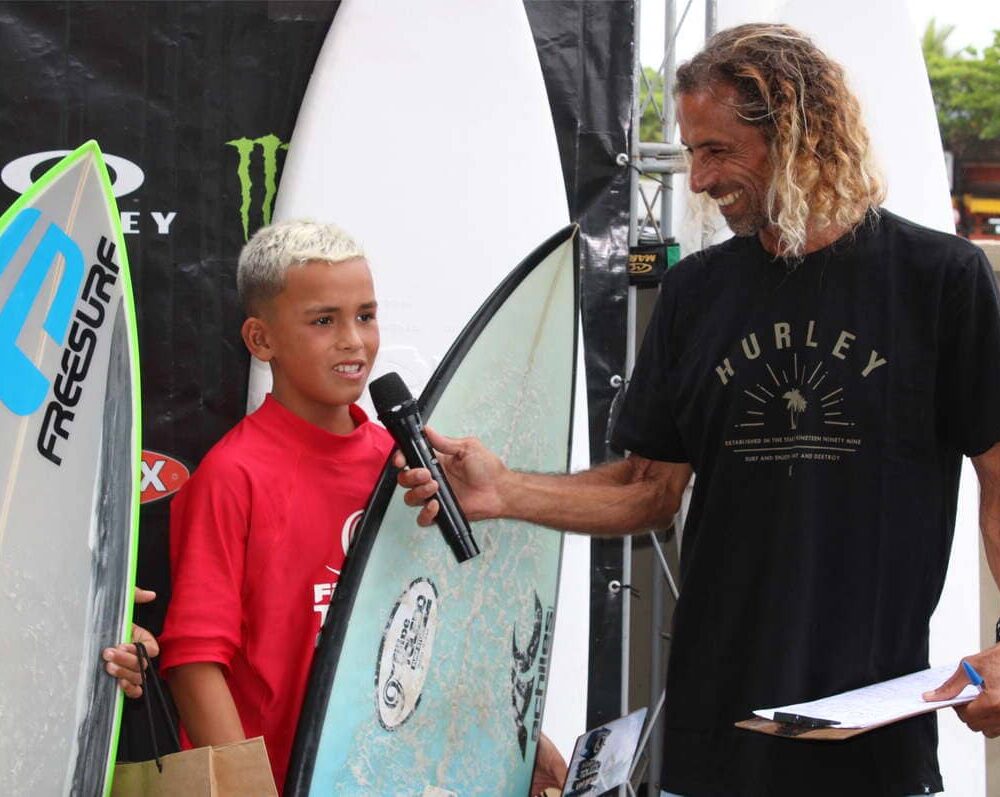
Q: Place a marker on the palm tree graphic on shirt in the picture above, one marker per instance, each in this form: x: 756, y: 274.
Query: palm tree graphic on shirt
x: 796, y: 406
x: 786, y: 385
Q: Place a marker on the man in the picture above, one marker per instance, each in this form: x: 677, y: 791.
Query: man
x: 822, y: 372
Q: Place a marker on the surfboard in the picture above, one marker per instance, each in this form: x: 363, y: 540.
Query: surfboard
x: 69, y: 477
x: 886, y: 71
x: 425, y: 179
x: 431, y: 674
x: 423, y: 147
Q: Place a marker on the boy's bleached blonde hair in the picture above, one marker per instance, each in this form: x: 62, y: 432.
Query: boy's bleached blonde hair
x: 272, y: 250
x: 823, y: 170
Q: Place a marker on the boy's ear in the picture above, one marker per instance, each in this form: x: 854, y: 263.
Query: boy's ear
x: 254, y: 332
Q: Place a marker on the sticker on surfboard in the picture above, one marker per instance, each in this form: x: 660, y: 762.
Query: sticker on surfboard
x: 404, y: 657
x: 69, y: 477
x: 480, y: 655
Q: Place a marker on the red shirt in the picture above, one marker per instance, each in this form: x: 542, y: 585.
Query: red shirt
x: 257, y: 541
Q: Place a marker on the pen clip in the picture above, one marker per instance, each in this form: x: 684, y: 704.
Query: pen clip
x: 795, y: 724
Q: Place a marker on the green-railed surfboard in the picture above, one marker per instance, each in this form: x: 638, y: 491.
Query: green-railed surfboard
x: 430, y: 676
x: 69, y: 478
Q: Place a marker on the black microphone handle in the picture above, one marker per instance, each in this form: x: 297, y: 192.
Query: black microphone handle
x: 418, y: 454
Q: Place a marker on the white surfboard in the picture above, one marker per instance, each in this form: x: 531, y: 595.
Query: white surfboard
x: 880, y: 51
x: 69, y: 478
x: 426, y: 133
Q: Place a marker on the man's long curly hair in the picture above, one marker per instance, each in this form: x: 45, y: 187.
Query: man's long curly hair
x: 823, y: 169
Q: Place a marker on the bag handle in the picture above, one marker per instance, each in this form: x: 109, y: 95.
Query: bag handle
x: 146, y: 666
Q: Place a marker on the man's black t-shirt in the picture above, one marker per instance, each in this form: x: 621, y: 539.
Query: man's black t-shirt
x: 825, y: 410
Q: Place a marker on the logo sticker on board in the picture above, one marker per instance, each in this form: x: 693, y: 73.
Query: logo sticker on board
x: 162, y: 476
x: 529, y: 675
x: 77, y: 308
x: 404, y: 656
x: 24, y: 386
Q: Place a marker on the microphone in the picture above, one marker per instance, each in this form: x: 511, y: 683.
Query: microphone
x: 399, y: 413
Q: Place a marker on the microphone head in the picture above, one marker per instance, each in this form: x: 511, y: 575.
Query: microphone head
x: 389, y: 391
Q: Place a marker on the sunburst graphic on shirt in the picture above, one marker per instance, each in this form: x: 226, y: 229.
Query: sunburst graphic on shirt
x: 797, y: 394
x: 795, y: 411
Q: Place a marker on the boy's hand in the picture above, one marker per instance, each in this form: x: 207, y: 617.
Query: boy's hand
x: 122, y: 662
x: 550, y: 768
x: 477, y: 476
x: 983, y: 713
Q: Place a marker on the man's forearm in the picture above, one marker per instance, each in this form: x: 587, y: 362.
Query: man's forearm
x: 989, y: 522
x: 987, y: 467
x: 620, y: 498
x: 205, y: 704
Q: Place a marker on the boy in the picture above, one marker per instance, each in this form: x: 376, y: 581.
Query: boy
x: 258, y: 535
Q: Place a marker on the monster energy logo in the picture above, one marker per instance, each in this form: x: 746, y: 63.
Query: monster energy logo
x: 269, y: 147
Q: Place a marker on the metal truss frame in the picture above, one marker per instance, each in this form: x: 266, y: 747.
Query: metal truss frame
x: 653, y: 165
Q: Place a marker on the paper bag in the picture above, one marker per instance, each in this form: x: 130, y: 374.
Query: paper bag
x: 229, y: 770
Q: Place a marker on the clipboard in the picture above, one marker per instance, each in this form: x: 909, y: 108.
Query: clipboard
x: 793, y: 731
x: 848, y: 714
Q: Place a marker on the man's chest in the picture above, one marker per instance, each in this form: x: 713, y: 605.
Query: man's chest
x: 807, y: 376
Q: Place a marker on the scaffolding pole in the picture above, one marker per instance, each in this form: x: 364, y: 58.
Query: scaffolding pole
x: 653, y: 164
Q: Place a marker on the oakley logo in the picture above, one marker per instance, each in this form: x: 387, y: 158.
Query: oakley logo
x: 23, y: 387
x: 126, y: 177
x: 16, y: 175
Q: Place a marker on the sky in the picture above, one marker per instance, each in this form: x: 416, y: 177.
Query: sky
x: 973, y: 20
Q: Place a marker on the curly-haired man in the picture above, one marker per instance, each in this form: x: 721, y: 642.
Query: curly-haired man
x: 822, y: 373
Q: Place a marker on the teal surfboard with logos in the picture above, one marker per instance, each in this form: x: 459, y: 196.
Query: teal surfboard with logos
x: 430, y: 674
x: 69, y: 478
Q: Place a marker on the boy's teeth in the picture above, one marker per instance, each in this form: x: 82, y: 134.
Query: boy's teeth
x: 347, y: 369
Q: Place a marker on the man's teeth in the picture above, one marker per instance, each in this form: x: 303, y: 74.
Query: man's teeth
x: 347, y: 369
x: 728, y: 199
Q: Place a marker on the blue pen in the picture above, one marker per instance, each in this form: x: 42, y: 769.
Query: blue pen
x: 974, y: 677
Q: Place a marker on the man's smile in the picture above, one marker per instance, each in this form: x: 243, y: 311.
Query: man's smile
x: 728, y: 199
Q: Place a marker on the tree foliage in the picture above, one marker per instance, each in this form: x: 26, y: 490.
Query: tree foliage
x: 935, y: 39
x: 965, y: 85
x: 650, y: 126
x: 966, y: 88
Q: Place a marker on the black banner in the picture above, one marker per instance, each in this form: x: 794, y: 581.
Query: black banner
x: 586, y: 51
x: 194, y: 103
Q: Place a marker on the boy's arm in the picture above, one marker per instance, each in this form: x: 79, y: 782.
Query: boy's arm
x: 205, y: 704
x: 209, y: 522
